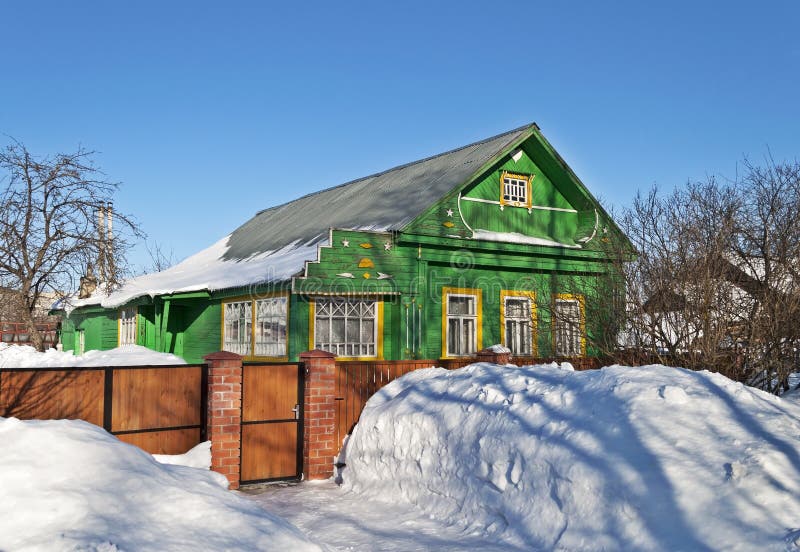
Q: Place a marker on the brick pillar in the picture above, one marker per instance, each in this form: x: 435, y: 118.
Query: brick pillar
x: 496, y: 354
x: 319, y: 414
x: 225, y: 413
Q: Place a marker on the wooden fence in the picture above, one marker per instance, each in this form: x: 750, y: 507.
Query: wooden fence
x: 161, y: 409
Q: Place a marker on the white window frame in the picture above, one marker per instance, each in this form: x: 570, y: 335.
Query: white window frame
x: 238, y: 316
x: 523, y: 327
x: 468, y: 343
x: 126, y: 326
x: 350, y: 311
x: 568, y: 330
x: 271, y: 329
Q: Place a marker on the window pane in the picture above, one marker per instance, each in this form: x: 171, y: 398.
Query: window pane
x: 568, y: 328
x: 468, y: 336
x: 368, y: 331
x: 454, y: 336
x: 460, y: 305
x: 238, y: 327
x: 337, y: 330
x: 271, y: 327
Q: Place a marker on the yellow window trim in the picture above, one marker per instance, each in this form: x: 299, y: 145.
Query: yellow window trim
x: 504, y: 293
x: 478, y: 315
x: 582, y: 305
x: 253, y: 313
x: 312, y: 312
x: 135, y: 326
x: 528, y: 178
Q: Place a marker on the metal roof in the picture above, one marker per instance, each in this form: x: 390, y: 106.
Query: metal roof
x: 384, y: 201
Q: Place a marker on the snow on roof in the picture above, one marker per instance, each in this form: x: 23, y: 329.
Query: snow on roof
x: 385, y: 201
x: 209, y: 270
x: 274, y: 244
x: 514, y: 237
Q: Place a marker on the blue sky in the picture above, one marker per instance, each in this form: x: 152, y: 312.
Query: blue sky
x: 208, y: 112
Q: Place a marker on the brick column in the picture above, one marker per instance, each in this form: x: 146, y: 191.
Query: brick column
x: 319, y: 414
x: 496, y: 354
x: 225, y: 413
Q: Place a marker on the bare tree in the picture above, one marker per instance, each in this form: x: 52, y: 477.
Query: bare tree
x: 48, y: 232
x: 159, y: 259
x: 716, y: 280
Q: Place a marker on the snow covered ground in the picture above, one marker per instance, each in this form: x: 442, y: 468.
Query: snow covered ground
x: 69, y: 485
x: 24, y: 356
x: 540, y: 458
x: 491, y: 458
x: 352, y: 522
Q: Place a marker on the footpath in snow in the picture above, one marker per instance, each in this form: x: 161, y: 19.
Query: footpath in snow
x: 355, y: 523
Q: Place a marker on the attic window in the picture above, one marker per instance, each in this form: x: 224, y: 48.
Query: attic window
x: 515, y: 189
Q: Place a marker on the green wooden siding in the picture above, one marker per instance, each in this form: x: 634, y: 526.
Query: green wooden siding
x: 100, y: 330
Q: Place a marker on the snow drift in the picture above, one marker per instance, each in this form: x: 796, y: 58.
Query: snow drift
x: 25, y: 356
x: 651, y: 458
x: 69, y: 485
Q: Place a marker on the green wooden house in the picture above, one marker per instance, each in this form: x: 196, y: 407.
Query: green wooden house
x: 494, y: 242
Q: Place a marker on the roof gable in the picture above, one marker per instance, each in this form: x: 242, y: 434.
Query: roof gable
x: 558, y: 211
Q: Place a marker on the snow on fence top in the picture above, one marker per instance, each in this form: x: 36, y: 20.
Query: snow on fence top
x: 24, y: 356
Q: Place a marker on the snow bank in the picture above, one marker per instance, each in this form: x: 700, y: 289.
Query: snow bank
x: 24, y: 356
x: 651, y: 458
x: 69, y: 485
x: 198, y: 456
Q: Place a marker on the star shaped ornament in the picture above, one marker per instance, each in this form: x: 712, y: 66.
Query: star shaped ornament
x: 387, y: 246
x: 345, y: 243
x: 449, y: 212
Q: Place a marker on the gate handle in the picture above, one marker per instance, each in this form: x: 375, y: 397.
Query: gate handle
x: 296, y: 411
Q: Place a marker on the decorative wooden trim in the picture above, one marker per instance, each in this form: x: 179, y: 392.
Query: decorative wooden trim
x: 312, y: 315
x: 253, y: 316
x: 531, y: 295
x: 534, y: 207
x: 528, y: 178
x: 582, y: 306
x: 478, y: 294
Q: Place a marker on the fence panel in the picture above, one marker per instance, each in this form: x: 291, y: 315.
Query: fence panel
x: 158, y: 408
x: 357, y: 381
x: 52, y: 394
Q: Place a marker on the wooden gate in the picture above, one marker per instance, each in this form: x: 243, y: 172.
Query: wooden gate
x: 272, y: 437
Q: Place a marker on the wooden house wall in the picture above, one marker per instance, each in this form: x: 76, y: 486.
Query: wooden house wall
x: 100, y: 330
x: 203, y: 330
